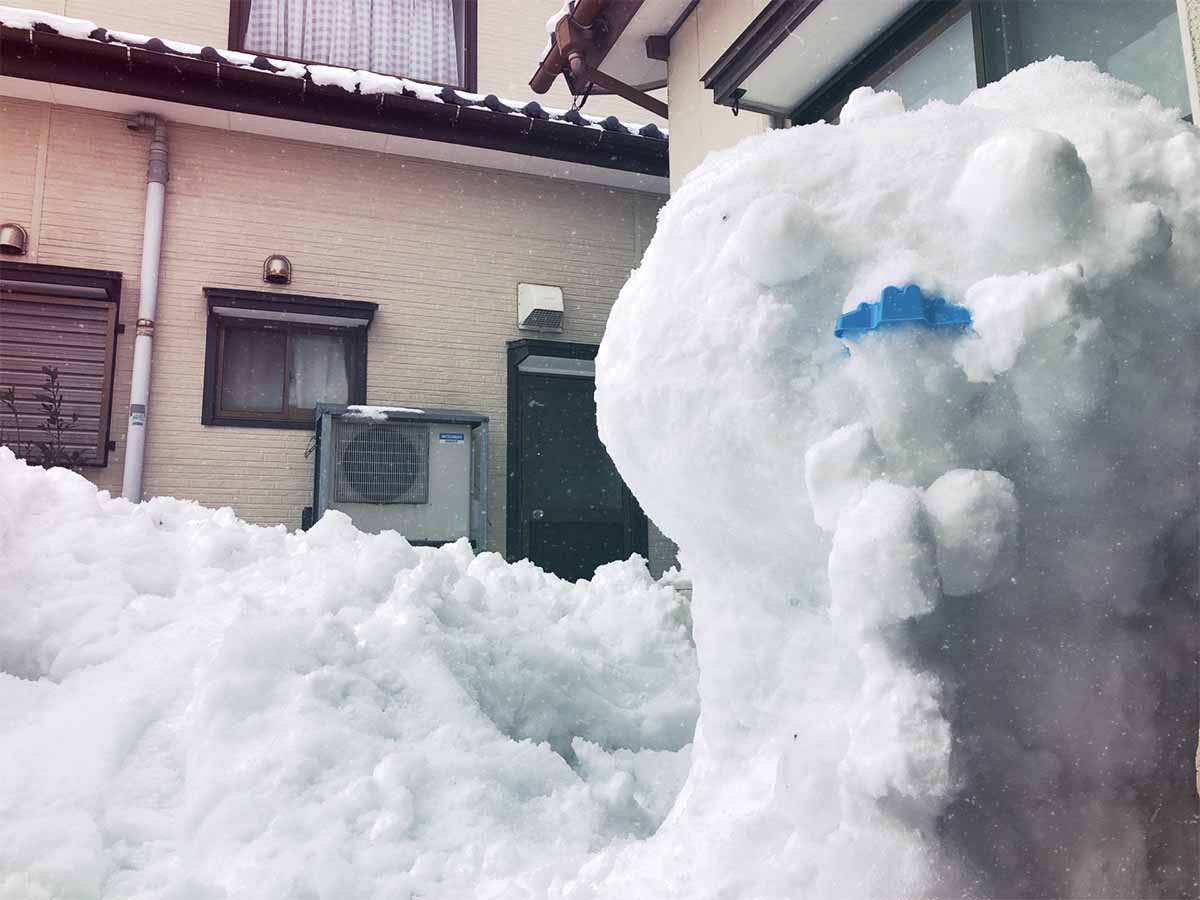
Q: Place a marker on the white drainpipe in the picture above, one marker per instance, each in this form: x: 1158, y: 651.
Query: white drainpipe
x: 139, y: 396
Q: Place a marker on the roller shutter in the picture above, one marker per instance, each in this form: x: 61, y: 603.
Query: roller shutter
x: 76, y: 336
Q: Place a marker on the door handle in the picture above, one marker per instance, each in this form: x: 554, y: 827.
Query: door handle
x: 538, y: 514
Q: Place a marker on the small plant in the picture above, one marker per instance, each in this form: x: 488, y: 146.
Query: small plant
x: 51, y: 449
x: 8, y: 398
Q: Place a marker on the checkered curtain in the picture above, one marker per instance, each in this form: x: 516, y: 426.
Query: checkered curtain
x: 413, y: 38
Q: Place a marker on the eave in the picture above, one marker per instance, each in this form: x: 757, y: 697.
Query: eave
x: 208, y: 79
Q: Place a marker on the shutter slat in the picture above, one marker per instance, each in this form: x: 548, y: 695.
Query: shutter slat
x: 68, y: 325
x: 44, y: 337
x: 68, y: 378
x: 48, y: 310
x: 76, y: 358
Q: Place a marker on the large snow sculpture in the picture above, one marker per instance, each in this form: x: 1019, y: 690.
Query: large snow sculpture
x: 945, y: 585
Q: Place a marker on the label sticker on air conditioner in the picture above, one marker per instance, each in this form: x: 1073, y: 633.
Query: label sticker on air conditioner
x: 451, y: 437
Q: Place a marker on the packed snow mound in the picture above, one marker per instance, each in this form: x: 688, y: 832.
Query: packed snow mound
x: 193, y: 707
x: 945, y: 583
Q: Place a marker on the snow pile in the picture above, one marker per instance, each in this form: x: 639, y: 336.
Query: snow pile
x: 945, y: 585
x: 193, y: 707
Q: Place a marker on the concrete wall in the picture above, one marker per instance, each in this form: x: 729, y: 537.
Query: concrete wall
x: 512, y: 36
x: 699, y: 126
x: 439, y: 247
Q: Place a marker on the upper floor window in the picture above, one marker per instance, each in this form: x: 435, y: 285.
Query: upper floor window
x: 939, y: 65
x: 1136, y: 40
x: 943, y: 50
x: 427, y: 40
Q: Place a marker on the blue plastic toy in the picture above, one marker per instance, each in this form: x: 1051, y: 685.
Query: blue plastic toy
x: 902, y: 306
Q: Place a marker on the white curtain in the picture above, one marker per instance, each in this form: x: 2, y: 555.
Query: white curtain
x: 412, y: 38
x: 319, y: 374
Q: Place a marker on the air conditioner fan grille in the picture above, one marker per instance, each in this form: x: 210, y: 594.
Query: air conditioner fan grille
x: 381, y: 462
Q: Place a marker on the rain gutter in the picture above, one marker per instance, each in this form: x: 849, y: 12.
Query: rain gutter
x: 208, y: 82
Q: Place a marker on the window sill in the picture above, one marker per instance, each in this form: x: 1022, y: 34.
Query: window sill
x: 285, y: 424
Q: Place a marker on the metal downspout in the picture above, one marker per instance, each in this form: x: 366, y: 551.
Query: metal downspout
x: 139, y: 396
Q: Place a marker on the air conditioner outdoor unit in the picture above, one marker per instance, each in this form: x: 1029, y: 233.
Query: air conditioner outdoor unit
x: 421, y: 472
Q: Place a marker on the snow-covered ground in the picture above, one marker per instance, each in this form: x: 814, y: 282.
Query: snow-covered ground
x: 945, y: 585
x: 193, y: 707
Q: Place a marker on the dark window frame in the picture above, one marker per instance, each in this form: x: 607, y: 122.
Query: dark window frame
x: 991, y: 21
x: 90, y: 286
x: 285, y: 306
x: 239, y: 19
x: 899, y: 43
x: 769, y: 29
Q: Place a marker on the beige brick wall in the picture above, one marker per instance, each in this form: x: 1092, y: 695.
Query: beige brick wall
x: 439, y: 247
x: 512, y: 35
x: 204, y: 22
x: 78, y: 182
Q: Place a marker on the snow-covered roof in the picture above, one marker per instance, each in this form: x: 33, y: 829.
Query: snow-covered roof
x: 354, y: 82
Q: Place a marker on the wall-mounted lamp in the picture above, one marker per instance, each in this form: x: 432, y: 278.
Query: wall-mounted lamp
x: 277, y: 269
x: 13, y: 239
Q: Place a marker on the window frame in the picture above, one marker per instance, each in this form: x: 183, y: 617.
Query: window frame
x: 291, y: 315
x: 908, y: 35
x: 239, y: 18
x: 903, y: 40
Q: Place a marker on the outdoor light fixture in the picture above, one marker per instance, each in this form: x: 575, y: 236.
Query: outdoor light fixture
x: 277, y: 269
x: 13, y: 239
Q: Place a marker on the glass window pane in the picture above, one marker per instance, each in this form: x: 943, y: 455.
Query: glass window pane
x: 415, y: 38
x: 1136, y: 40
x: 320, y: 370
x: 252, y: 370
x: 944, y: 69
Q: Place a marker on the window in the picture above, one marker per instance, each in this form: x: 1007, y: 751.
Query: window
x: 941, y: 66
x: 1136, y: 40
x: 942, y: 51
x: 427, y: 40
x: 58, y: 337
x: 270, y: 359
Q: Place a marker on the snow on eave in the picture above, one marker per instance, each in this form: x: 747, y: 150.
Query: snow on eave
x: 350, y: 80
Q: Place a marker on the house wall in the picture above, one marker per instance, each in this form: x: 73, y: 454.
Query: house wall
x: 512, y: 36
x: 203, y: 22
x: 78, y: 181
x: 439, y: 247
x: 699, y: 126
